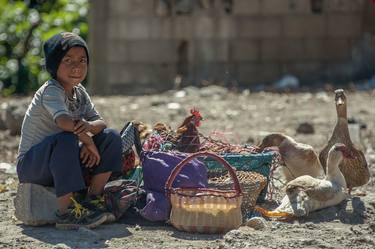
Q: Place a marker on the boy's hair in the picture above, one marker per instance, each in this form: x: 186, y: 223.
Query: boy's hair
x: 57, y: 46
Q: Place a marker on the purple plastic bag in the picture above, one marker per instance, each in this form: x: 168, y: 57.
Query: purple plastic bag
x: 157, y: 207
x: 157, y: 166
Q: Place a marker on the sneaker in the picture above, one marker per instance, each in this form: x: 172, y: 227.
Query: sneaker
x: 97, y: 204
x: 79, y: 216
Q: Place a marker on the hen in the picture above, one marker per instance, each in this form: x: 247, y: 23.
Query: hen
x: 187, y: 135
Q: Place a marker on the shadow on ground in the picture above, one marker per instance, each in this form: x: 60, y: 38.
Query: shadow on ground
x: 77, y: 238
x: 351, y: 212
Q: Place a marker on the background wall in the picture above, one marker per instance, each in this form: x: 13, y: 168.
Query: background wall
x: 140, y: 46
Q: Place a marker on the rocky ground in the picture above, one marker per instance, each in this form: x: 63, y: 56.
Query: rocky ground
x: 240, y: 117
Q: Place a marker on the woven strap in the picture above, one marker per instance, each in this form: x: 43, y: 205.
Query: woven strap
x: 178, y: 168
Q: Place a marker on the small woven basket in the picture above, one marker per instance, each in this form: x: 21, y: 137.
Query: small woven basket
x: 254, y: 162
x: 205, y: 210
x: 251, y: 183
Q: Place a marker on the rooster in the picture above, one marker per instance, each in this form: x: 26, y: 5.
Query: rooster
x: 187, y: 135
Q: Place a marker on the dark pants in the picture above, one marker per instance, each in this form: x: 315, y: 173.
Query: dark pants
x: 55, y: 161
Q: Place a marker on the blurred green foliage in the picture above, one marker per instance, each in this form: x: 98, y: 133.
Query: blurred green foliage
x: 24, y: 26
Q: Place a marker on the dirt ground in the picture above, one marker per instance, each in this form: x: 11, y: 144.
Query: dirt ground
x: 241, y: 117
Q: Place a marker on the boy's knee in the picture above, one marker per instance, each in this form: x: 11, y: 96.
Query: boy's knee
x: 113, y: 136
x: 67, y: 138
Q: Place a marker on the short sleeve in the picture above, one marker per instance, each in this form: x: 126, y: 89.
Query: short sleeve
x: 53, y: 100
x: 91, y: 114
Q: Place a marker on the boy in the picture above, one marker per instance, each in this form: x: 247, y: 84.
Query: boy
x: 62, y: 134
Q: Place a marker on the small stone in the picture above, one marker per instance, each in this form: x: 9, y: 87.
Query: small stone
x: 307, y: 242
x: 14, y: 113
x: 2, y: 122
x: 371, y: 227
x: 8, y: 168
x: 174, y: 106
x: 276, y: 225
x: 137, y: 228
x: 61, y: 246
x: 310, y: 225
x: 3, y: 188
x: 356, y: 230
x: 180, y: 94
x: 306, y: 128
x: 258, y: 223
x: 250, y: 140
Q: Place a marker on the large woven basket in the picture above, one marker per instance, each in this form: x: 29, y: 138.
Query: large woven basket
x: 205, y: 210
x: 251, y: 183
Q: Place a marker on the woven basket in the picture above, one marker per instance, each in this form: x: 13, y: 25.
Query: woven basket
x: 205, y: 210
x: 254, y: 162
x: 251, y: 183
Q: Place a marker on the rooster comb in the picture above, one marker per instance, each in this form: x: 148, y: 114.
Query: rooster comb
x: 194, y: 111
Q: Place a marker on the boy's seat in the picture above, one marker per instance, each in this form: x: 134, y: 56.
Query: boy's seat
x: 35, y: 204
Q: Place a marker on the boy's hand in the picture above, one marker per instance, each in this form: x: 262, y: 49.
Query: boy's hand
x: 82, y: 126
x: 89, y: 155
x: 85, y: 139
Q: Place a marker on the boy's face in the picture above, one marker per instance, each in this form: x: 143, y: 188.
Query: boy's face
x: 73, y: 67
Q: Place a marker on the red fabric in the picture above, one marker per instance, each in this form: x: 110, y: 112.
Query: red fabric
x: 129, y: 163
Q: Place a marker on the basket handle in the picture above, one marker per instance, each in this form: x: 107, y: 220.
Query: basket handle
x: 178, y: 168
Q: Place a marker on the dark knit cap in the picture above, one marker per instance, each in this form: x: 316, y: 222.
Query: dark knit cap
x: 57, y: 46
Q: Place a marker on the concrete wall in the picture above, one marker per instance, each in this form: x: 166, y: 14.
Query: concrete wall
x: 141, y: 45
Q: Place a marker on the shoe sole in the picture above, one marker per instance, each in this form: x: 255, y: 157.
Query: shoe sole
x: 95, y: 224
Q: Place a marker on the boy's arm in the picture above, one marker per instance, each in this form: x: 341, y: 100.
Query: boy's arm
x: 94, y: 127
x: 92, y: 121
x: 66, y: 123
x: 80, y: 127
x: 97, y: 126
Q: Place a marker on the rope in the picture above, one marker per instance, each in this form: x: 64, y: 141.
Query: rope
x: 275, y: 164
x: 220, y: 147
